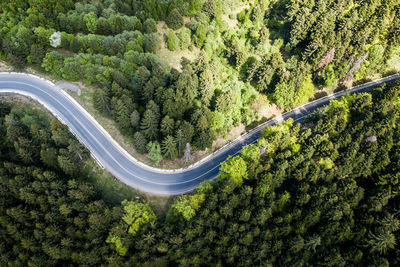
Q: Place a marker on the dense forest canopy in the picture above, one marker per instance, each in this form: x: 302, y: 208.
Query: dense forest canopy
x: 235, y: 52
x: 325, y: 192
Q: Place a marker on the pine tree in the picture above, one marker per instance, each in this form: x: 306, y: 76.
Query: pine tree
x: 149, y: 125
x: 167, y: 126
x: 140, y: 142
x: 174, y: 20
x: 169, y: 147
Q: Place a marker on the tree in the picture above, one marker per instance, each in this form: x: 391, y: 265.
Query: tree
x: 53, y: 62
x: 140, y: 142
x: 284, y: 94
x: 66, y: 165
x: 382, y: 241
x: 149, y: 125
x: 150, y: 25
x: 180, y: 139
x: 234, y: 168
x: 173, y: 41
x: 36, y: 54
x: 137, y: 215
x: 210, y: 8
x: 116, y: 240
x: 102, y: 99
x: 135, y: 119
x: 200, y: 35
x: 49, y: 156
x: 167, y: 126
x: 328, y: 77
x: 59, y: 133
x: 184, y: 36
x: 154, y: 152
x: 204, y: 140
x: 174, y: 20
x: 187, y: 205
x: 305, y: 91
x: 169, y: 147
x: 152, y: 42
x: 121, y: 109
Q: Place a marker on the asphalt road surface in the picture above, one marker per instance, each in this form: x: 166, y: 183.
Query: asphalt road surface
x: 124, y: 167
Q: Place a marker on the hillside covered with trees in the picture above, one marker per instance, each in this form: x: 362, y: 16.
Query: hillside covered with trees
x: 325, y: 192
x: 237, y: 56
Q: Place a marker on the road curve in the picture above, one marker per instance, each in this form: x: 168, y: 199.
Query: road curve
x: 110, y: 155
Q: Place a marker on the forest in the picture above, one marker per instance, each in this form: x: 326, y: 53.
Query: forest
x: 237, y: 55
x: 324, y: 192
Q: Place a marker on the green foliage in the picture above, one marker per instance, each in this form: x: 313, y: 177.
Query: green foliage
x: 91, y: 22
x: 169, y: 147
x: 200, y: 35
x: 210, y: 8
x: 326, y: 163
x: 325, y: 193
x: 152, y: 42
x: 234, y: 168
x: 154, y: 150
x: 174, y: 20
x: 137, y: 215
x: 305, y: 91
x: 52, y: 215
x: 150, y: 26
x: 116, y: 240
x: 187, y: 205
x: 237, y: 52
x: 284, y: 94
x: 53, y: 62
x: 328, y: 76
x: 140, y: 142
x: 173, y: 41
x: 184, y: 38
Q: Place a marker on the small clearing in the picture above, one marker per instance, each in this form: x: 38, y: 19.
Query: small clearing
x: 233, y: 22
x: 174, y: 58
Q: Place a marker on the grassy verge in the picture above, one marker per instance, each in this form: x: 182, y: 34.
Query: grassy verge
x: 113, y: 191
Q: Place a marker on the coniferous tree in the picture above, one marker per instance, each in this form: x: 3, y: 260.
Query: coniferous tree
x: 169, y: 148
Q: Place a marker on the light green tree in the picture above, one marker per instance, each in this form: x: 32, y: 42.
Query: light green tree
x: 116, y: 240
x: 137, y: 215
x: 91, y: 22
x: 235, y: 169
x: 187, y: 205
x: 305, y: 91
x: 173, y: 41
x: 154, y: 152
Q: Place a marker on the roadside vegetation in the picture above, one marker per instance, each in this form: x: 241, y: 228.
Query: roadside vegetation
x: 176, y: 72
x: 177, y: 76
x: 322, y: 193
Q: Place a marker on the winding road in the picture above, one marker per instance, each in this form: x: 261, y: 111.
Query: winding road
x: 110, y: 155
